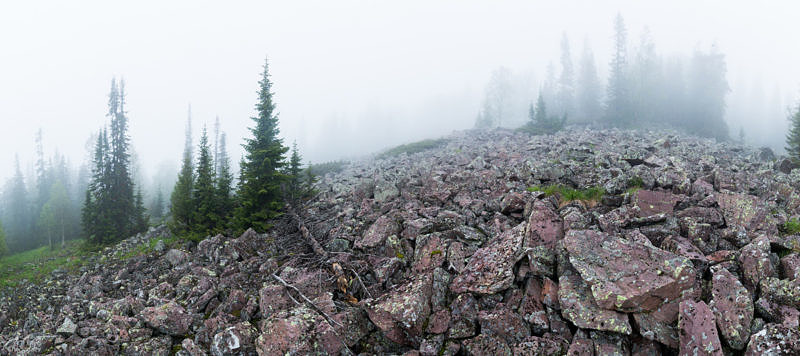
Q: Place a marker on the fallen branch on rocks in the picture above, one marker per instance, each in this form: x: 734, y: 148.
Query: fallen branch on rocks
x: 315, y: 246
x: 305, y: 299
x: 364, y: 286
x: 331, y: 321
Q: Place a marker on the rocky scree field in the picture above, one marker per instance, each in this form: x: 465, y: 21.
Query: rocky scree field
x: 489, y: 243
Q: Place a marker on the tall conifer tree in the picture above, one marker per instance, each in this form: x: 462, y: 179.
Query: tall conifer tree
x: 262, y: 177
x: 181, y: 199
x: 204, y: 195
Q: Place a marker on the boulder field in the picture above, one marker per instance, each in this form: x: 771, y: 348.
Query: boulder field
x: 586, y: 242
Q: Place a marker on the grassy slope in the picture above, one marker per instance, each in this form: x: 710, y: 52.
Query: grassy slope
x: 34, y: 265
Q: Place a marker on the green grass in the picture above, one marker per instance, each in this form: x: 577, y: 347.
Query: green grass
x: 34, y: 265
x: 413, y: 147
x: 566, y: 193
x: 791, y: 227
x: 321, y: 169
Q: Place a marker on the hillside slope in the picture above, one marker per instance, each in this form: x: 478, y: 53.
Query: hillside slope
x: 592, y: 242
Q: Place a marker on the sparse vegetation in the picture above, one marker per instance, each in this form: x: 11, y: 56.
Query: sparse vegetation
x: 567, y: 194
x: 413, y: 147
x: 321, y: 169
x: 634, y: 184
x: 791, y: 227
x: 149, y: 247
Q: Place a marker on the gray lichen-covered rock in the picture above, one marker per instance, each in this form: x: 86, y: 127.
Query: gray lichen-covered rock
x: 404, y: 311
x: 775, y: 339
x: 625, y: 275
x: 170, y: 318
x: 579, y: 307
x: 491, y: 268
x: 732, y: 307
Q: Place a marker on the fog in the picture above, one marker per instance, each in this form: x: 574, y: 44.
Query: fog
x: 350, y: 77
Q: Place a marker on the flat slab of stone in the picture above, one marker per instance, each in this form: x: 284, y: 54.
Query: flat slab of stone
x: 625, y: 275
x: 491, y: 268
x: 653, y: 203
x: 698, y: 331
x: 741, y: 209
x: 732, y: 307
x: 545, y: 227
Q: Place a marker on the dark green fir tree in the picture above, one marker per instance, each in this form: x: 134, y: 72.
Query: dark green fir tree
x: 260, y: 195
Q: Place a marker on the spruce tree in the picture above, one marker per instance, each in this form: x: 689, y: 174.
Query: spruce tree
x: 793, y: 137
x: 181, y: 199
x: 95, y: 217
x: 566, y: 85
x: 225, y: 201
x: 293, y: 171
x: 110, y: 211
x: 124, y: 213
x: 539, y: 122
x: 589, y: 88
x: 204, y: 195
x: 261, y: 179
x: 140, y: 218
x: 618, y: 110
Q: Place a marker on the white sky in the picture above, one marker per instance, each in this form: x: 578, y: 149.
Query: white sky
x: 350, y: 76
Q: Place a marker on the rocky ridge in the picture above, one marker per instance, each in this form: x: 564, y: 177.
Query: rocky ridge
x: 449, y: 252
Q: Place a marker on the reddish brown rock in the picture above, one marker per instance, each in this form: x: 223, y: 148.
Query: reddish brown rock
x: 169, y: 318
x: 503, y: 323
x: 287, y: 335
x: 625, y: 275
x: 732, y: 307
x: 774, y: 339
x: 438, y: 322
x: 534, y: 345
x: 790, y: 266
x: 272, y: 299
x: 581, y: 345
x: 403, y: 309
x: 710, y: 216
x: 487, y: 345
x: 513, y: 202
x: 610, y: 344
x: 545, y: 227
x: 463, y: 317
x: 532, y: 308
x: 781, y: 291
x: 698, y: 332
x: 755, y: 263
x: 652, y: 202
x: 429, y: 252
x: 660, y: 325
x: 491, y: 268
x: 378, y: 232
x: 579, y: 307
x: 742, y: 210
